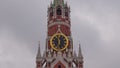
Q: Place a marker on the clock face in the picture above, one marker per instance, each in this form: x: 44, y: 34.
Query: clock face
x: 59, y: 42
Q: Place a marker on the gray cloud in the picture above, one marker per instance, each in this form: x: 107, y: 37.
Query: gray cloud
x: 95, y: 25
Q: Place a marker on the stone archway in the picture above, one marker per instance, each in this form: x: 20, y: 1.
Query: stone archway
x: 59, y: 65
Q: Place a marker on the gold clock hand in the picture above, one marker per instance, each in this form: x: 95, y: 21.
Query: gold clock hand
x: 59, y: 41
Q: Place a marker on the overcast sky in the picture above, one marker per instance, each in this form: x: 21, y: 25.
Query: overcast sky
x: 95, y: 25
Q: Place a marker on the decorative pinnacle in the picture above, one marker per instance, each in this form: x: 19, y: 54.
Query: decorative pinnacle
x: 80, y: 53
x: 39, y: 52
x: 51, y: 3
x: 66, y: 4
x: 75, y: 56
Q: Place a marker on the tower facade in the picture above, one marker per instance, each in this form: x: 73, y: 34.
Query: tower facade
x: 59, y: 43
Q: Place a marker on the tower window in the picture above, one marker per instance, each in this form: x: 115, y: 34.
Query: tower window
x: 59, y: 66
x: 59, y: 12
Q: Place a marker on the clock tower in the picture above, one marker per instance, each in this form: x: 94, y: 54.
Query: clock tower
x: 59, y: 43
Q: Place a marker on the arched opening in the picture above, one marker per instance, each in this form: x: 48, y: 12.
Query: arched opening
x: 59, y: 66
x: 59, y: 11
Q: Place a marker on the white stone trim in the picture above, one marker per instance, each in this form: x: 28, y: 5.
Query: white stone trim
x: 59, y: 58
x: 63, y: 23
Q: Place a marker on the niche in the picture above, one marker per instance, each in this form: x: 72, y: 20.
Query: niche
x: 59, y: 11
x: 59, y: 66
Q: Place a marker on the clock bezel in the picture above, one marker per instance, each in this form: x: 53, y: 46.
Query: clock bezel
x: 52, y: 46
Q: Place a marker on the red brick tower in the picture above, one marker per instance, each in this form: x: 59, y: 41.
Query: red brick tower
x: 59, y: 42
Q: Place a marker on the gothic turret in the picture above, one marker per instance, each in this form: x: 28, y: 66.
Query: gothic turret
x: 80, y: 53
x: 75, y: 55
x: 80, y: 58
x: 38, y: 57
x: 58, y: 10
x: 39, y: 52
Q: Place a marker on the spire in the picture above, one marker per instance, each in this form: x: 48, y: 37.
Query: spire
x: 75, y: 56
x: 44, y: 54
x: 56, y: 2
x: 51, y: 4
x: 39, y: 52
x: 66, y: 4
x: 80, y: 53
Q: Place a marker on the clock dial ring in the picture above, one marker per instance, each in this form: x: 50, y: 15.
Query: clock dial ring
x: 59, y: 42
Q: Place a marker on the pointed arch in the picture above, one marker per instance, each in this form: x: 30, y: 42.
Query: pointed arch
x: 59, y: 11
x: 59, y: 65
